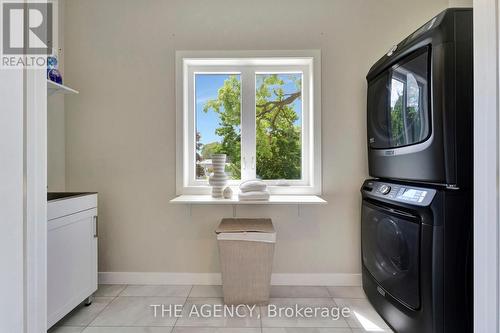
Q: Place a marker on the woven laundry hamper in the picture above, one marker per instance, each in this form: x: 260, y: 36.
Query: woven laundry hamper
x: 246, y: 249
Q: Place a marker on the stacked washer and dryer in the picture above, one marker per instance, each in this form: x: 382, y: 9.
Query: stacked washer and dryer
x: 416, y: 227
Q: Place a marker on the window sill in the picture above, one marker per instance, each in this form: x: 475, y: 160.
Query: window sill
x: 273, y: 200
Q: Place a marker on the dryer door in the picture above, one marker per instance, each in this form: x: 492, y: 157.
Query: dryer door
x: 391, y: 251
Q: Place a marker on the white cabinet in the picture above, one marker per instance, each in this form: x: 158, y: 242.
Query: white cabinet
x: 71, y: 254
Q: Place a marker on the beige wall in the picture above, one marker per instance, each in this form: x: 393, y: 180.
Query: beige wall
x: 121, y: 128
x: 460, y: 3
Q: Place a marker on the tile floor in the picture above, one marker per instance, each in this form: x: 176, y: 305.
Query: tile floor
x: 126, y: 309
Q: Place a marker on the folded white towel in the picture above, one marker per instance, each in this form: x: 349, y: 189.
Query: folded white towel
x: 255, y: 185
x: 254, y: 196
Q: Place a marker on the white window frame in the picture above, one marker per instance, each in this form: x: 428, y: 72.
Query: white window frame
x: 247, y: 64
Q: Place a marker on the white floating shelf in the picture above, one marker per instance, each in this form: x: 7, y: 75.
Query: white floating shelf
x: 273, y: 200
x: 56, y: 88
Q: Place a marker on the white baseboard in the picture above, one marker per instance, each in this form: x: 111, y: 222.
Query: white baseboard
x: 159, y: 278
x: 334, y: 279
x: 281, y: 279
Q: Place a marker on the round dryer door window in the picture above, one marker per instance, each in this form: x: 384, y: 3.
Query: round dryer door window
x: 391, y: 251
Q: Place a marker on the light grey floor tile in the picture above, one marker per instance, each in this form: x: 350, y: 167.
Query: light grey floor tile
x: 206, y: 291
x: 362, y: 330
x: 250, y: 319
x: 370, y: 330
x: 128, y: 330
x: 83, y: 315
x: 307, y: 330
x: 215, y: 330
x: 109, y: 290
x: 298, y: 292
x: 137, y: 311
x: 347, y: 292
x: 66, y: 329
x: 169, y: 291
x: 363, y: 315
x: 271, y: 316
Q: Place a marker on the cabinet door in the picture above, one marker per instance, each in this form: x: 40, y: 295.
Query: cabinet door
x: 71, y: 262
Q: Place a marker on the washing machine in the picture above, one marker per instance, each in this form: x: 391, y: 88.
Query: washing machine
x: 417, y: 256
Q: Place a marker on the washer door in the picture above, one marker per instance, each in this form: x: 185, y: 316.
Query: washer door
x: 391, y: 251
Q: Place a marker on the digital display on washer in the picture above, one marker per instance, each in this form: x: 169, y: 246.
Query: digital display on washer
x: 411, y: 194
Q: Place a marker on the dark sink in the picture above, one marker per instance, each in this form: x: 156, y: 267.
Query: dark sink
x: 64, y: 195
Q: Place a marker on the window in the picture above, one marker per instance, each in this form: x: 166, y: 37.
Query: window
x: 260, y: 109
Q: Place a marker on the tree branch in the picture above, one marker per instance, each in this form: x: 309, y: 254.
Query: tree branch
x: 270, y: 106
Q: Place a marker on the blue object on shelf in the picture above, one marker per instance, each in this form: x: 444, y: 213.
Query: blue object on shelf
x: 55, y: 76
x: 53, y: 73
x: 51, y: 62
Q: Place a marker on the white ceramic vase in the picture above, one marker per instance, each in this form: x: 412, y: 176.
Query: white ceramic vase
x: 227, y: 193
x: 218, y: 180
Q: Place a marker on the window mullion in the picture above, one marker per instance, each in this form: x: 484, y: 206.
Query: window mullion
x: 248, y: 155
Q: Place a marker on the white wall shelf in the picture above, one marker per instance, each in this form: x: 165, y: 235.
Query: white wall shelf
x: 56, y: 88
x: 273, y: 200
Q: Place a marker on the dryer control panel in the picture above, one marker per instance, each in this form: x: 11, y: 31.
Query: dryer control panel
x: 401, y: 193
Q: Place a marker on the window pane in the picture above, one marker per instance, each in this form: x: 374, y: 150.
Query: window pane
x: 218, y: 122
x: 279, y: 126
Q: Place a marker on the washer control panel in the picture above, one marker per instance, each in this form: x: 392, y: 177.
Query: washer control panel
x: 411, y: 194
x: 401, y: 193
